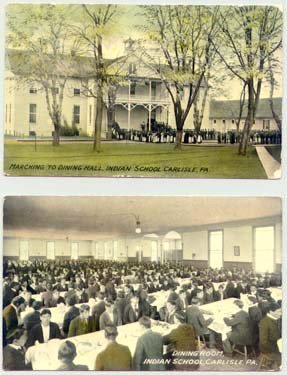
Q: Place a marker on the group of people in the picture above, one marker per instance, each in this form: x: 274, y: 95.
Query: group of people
x: 167, y: 134
x: 125, y: 293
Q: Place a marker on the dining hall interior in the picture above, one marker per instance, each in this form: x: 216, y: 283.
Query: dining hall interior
x: 142, y: 283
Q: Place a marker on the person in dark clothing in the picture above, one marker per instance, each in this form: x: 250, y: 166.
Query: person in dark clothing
x: 33, y: 318
x: 70, y: 314
x: 44, y: 331
x: 67, y: 353
x: 14, y: 354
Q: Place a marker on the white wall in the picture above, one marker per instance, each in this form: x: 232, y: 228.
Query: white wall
x: 194, y: 242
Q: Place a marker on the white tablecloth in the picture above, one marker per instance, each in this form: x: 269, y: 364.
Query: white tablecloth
x: 219, y: 310
x: 45, y: 356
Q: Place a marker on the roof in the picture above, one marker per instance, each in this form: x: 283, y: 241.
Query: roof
x: 229, y: 109
x: 18, y: 62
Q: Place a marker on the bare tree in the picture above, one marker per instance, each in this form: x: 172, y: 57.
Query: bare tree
x: 45, y: 46
x: 92, y: 29
x: 183, y: 34
x: 272, y: 65
x: 249, y: 35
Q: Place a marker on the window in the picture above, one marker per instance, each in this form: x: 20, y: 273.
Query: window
x: 264, y: 248
x: 214, y: 121
x: 77, y: 92
x: 32, y: 113
x: 106, y: 250
x: 216, y: 249
x: 33, y: 90
x: 90, y: 114
x: 266, y: 124
x: 133, y: 88
x: 138, y: 253
x: 96, y: 253
x: 115, y: 255
x: 154, y: 251
x: 223, y: 121
x: 50, y: 250
x: 132, y: 68
x: 24, y: 250
x: 153, y: 88
x: 75, y: 250
x: 232, y: 121
x: 76, y: 114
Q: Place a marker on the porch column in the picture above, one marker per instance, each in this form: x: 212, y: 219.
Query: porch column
x: 149, y: 107
x: 129, y: 106
x: 129, y: 116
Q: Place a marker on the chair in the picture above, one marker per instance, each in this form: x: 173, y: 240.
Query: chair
x: 245, y: 351
x: 199, y: 339
x: 267, y: 361
x: 236, y: 350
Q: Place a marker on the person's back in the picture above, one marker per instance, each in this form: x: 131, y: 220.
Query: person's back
x: 149, y: 346
x: 269, y: 333
x: 13, y: 359
x: 72, y: 367
x: 31, y: 319
x: 197, y: 320
x: 71, y: 314
x: 115, y: 357
x: 184, y: 338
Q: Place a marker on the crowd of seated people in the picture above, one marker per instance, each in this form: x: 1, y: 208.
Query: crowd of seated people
x: 124, y: 293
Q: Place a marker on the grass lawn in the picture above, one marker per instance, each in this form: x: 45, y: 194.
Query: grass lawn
x: 275, y: 151
x: 130, y: 159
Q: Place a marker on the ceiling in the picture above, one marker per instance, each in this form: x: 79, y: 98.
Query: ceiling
x: 116, y: 215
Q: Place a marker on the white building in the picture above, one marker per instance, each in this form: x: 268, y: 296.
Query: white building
x: 142, y: 99
x: 224, y: 114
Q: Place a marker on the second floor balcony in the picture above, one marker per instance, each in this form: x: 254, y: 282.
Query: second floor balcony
x: 141, y: 99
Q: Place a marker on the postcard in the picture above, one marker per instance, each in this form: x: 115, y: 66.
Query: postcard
x: 178, y: 91
x: 142, y: 283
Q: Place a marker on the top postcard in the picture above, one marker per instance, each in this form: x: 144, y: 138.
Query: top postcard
x: 177, y: 91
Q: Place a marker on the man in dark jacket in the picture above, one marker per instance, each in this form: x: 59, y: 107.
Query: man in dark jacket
x: 98, y: 309
x: 44, y: 331
x: 182, y: 340
x: 255, y: 316
x: 13, y: 354
x: 33, y: 318
x: 149, y: 346
x: 115, y: 357
x: 131, y: 311
x: 194, y: 317
x: 269, y: 334
x: 241, y: 333
x: 83, y: 323
x: 66, y: 354
x: 72, y: 313
x: 11, y: 313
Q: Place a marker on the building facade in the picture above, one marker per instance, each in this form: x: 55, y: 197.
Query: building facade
x: 140, y: 101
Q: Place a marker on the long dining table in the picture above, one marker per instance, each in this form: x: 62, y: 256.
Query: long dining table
x: 45, y: 356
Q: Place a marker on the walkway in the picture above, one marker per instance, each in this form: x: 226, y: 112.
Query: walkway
x: 271, y: 166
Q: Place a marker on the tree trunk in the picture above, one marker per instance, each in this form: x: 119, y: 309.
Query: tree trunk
x: 249, y: 119
x: 56, y: 135
x: 178, y: 139
x: 98, y: 120
x: 111, y: 120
